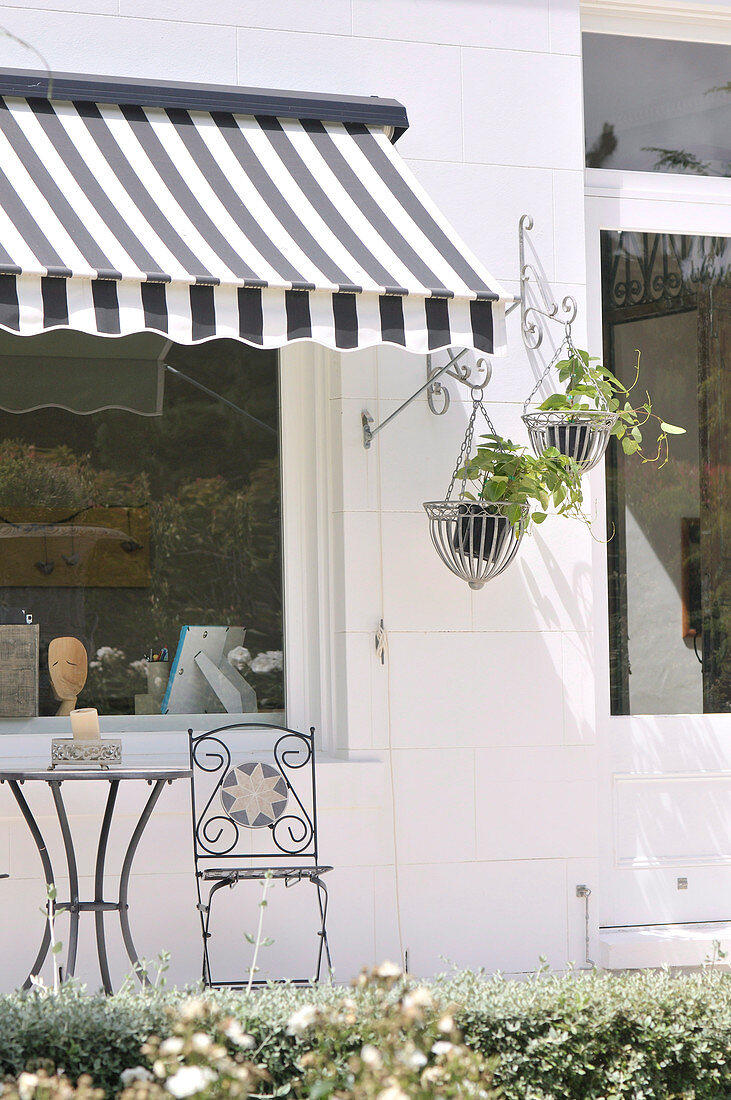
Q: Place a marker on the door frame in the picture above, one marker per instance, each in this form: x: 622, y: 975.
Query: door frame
x: 672, y: 746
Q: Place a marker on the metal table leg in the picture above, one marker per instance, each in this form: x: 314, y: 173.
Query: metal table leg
x: 68, y: 843
x: 47, y: 871
x: 124, y: 879
x: 101, y: 853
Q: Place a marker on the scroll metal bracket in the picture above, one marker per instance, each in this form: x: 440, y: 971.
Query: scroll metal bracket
x: 531, y: 326
x: 461, y: 372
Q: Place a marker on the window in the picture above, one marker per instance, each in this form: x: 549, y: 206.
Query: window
x: 140, y: 515
x: 653, y: 105
x: 669, y: 297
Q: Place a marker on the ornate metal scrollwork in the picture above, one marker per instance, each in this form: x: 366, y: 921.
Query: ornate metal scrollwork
x: 217, y: 834
x: 662, y: 269
x: 473, y: 375
x: 530, y: 323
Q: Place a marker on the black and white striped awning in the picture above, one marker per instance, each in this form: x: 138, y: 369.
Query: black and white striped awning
x: 118, y: 217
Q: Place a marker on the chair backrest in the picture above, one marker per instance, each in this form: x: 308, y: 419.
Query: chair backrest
x: 253, y: 796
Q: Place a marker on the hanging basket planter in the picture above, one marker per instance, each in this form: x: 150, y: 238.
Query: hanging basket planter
x: 474, y: 539
x: 582, y: 436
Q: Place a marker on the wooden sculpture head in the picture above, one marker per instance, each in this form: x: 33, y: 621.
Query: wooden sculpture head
x: 68, y: 666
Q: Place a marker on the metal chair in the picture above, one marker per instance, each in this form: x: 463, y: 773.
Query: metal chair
x: 254, y: 803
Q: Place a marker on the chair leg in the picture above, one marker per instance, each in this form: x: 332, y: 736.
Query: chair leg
x: 322, y: 901
x: 205, y: 911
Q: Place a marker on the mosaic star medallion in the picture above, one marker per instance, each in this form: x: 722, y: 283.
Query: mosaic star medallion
x: 254, y: 795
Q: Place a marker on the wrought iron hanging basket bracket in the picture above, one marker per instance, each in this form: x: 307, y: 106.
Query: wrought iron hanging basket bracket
x: 531, y: 325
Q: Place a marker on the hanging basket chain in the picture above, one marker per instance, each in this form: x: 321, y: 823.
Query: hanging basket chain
x: 565, y: 343
x: 464, y: 451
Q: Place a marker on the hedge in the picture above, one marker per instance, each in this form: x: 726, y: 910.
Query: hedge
x: 648, y: 1035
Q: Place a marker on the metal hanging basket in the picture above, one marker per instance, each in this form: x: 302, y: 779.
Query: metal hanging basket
x: 474, y: 538
x: 582, y: 435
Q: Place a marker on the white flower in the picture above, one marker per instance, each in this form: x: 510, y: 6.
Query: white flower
x: 239, y: 657
x: 234, y: 1031
x: 388, y: 969
x: 302, y: 1019
x: 201, y: 1042
x: 418, y: 998
x: 412, y: 1058
x: 271, y: 661
x: 173, y: 1045
x: 27, y: 1084
x: 189, y: 1081
x: 108, y: 653
x: 392, y: 1093
x: 442, y: 1047
x: 371, y: 1057
x: 446, y: 1024
x: 191, y: 1010
x: 139, y: 666
x: 136, y: 1073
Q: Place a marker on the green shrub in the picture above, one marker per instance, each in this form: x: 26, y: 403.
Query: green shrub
x: 644, y: 1036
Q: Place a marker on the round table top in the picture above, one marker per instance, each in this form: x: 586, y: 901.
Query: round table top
x: 60, y: 773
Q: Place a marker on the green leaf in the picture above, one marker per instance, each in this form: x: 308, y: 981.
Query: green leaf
x: 538, y: 517
x: 671, y: 429
x: 629, y: 446
x: 249, y: 938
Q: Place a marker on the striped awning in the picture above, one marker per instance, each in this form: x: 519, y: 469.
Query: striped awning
x: 119, y: 217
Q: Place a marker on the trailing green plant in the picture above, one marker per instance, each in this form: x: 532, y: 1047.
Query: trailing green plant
x: 506, y: 473
x: 591, y: 387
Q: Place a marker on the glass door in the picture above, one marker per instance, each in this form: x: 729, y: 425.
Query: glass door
x: 660, y: 283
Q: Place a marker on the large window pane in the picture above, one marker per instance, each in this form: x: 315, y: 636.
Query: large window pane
x: 652, y: 105
x: 669, y: 297
x: 134, y: 505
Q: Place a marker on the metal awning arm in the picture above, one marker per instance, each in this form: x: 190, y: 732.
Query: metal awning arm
x: 460, y: 374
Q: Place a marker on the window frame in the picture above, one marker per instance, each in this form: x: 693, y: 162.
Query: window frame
x: 306, y: 372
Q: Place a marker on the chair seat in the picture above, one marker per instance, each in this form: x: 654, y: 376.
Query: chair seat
x: 238, y: 874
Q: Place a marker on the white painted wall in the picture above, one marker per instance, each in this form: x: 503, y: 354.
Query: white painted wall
x: 461, y: 811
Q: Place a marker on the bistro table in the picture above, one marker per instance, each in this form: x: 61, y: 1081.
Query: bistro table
x: 157, y: 777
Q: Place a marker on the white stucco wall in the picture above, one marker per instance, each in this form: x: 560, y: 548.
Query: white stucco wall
x: 466, y: 814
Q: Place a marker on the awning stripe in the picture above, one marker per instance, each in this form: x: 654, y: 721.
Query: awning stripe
x: 116, y: 219
x: 314, y: 260
x: 250, y: 238
x: 310, y: 188
x: 380, y: 157
x: 87, y: 183
x: 381, y: 227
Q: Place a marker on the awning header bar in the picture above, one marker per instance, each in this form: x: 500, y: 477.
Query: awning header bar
x: 264, y: 102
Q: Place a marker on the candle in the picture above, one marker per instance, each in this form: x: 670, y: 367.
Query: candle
x: 85, y: 724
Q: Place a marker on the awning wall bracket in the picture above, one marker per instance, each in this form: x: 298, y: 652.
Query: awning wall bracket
x: 532, y: 317
x: 454, y: 369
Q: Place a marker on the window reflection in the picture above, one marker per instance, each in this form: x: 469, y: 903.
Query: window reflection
x: 652, y: 105
x: 136, y: 510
